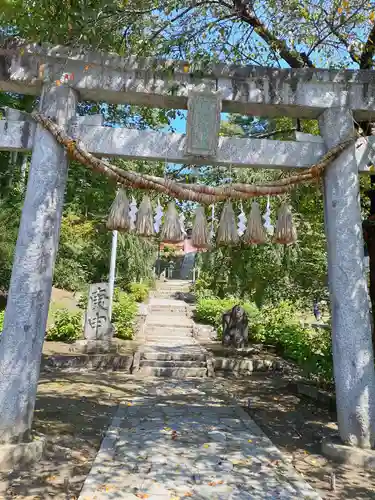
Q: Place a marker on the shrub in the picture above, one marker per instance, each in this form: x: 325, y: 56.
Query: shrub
x: 139, y: 291
x: 83, y: 300
x: 310, y: 348
x: 2, y: 314
x: 123, y: 315
x: 201, y: 289
x: 69, y: 274
x: 279, y: 326
x: 67, y: 326
x: 210, y: 311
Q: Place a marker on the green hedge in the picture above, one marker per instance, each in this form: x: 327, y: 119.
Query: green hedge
x: 210, y: 311
x: 311, y: 348
x: 124, y: 314
x: 278, y: 326
x: 139, y: 291
x: 2, y: 313
x: 67, y: 327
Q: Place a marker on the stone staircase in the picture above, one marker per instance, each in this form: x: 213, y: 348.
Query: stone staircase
x: 170, y: 349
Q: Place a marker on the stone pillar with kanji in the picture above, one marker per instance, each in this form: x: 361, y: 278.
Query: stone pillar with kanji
x: 98, y: 326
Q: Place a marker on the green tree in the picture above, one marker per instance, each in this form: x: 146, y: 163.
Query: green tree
x: 325, y: 33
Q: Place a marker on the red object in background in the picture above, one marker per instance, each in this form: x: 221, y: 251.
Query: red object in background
x: 183, y: 247
x: 188, y: 246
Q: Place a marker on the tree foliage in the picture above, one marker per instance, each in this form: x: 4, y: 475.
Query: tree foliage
x: 320, y: 33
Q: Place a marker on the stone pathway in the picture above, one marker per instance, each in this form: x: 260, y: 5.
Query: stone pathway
x: 185, y: 439
x: 170, y: 349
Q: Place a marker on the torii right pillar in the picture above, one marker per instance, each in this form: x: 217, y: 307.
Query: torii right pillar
x: 353, y: 358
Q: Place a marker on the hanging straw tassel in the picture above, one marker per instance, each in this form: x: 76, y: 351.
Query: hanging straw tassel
x: 285, y: 232
x: 118, y: 219
x: 255, y: 233
x: 145, y: 221
x: 200, y: 233
x: 171, y: 231
x: 227, y: 231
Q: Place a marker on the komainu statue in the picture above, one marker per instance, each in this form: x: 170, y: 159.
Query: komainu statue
x: 235, y: 327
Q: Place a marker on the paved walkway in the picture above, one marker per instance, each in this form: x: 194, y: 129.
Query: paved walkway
x: 181, y: 439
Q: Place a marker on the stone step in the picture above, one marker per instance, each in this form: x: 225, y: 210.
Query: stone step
x: 180, y: 283
x: 155, y: 301
x: 156, y: 355
x: 170, y: 331
x: 166, y: 294
x: 170, y: 310
x: 169, y: 338
x: 171, y: 289
x: 168, y: 342
x: 157, y: 371
x: 162, y: 320
x: 174, y: 363
x: 184, y: 289
x: 164, y: 344
x: 174, y: 287
x: 165, y: 317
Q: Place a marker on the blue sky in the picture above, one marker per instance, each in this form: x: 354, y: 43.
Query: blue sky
x: 179, y: 123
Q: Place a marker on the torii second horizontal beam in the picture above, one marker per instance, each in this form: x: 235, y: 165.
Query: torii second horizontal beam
x: 160, y: 146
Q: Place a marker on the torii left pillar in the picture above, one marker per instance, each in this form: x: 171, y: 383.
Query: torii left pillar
x: 31, y: 282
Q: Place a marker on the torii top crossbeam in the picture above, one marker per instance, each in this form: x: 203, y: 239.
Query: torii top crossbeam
x: 298, y: 93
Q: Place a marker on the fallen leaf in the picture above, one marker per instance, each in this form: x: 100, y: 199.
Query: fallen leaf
x: 215, y: 483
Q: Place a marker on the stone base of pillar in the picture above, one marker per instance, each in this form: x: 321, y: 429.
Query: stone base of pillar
x: 94, y: 347
x: 334, y: 449
x: 136, y: 360
x: 21, y: 455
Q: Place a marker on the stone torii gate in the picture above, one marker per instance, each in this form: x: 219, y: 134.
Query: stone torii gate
x: 332, y: 97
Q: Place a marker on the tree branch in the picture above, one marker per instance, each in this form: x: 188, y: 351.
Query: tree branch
x: 368, y: 52
x: 335, y: 30
x: 275, y: 132
x: 179, y: 15
x: 293, y: 58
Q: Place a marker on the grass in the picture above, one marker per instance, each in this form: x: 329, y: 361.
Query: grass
x: 61, y: 299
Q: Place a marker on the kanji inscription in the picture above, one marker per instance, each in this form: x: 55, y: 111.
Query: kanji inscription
x: 97, y: 323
